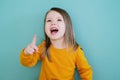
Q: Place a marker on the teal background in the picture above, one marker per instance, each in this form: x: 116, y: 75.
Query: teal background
x: 96, y: 25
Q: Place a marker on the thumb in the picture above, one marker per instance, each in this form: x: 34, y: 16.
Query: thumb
x: 34, y: 40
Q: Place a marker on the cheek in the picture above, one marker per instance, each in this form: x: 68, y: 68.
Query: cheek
x: 63, y: 28
x: 46, y: 29
x: 62, y: 31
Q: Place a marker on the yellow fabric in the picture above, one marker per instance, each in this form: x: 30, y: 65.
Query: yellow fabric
x: 62, y: 65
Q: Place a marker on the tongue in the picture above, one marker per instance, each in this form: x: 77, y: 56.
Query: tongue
x: 54, y: 32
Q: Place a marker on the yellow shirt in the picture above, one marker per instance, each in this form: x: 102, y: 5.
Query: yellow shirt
x: 62, y: 65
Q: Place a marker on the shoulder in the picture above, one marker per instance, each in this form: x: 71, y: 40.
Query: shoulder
x: 79, y: 49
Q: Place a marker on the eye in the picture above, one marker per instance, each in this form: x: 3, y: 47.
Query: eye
x: 59, y: 20
x: 48, y: 21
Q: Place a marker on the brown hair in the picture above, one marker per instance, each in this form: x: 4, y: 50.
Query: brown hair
x: 68, y: 36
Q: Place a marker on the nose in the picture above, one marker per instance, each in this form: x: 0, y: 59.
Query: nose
x: 53, y: 23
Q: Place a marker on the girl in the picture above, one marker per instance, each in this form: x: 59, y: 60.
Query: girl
x: 59, y: 52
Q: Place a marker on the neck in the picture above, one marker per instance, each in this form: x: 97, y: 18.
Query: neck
x: 58, y: 43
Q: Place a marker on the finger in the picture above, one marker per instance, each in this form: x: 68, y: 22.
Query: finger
x: 34, y: 40
x: 31, y: 51
x: 35, y: 48
x: 28, y: 51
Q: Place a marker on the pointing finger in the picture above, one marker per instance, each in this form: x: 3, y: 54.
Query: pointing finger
x: 34, y: 40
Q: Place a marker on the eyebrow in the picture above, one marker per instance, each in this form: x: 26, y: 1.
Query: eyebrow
x: 51, y: 18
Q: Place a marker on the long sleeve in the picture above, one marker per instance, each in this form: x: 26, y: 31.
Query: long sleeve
x: 83, y: 66
x: 29, y: 60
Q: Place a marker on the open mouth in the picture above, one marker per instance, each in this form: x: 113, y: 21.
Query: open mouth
x: 53, y: 30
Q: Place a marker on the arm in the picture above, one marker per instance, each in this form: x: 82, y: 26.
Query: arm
x: 31, y: 54
x: 84, y: 68
x: 28, y: 60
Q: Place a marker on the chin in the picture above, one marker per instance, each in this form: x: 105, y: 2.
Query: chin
x: 56, y: 38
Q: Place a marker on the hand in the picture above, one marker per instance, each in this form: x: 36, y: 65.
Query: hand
x: 31, y: 48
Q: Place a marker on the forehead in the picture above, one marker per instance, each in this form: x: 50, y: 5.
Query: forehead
x: 54, y: 14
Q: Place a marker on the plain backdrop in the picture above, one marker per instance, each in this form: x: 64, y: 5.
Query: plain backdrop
x: 96, y: 25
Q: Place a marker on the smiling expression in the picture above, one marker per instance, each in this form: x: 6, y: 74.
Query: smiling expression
x: 54, y: 25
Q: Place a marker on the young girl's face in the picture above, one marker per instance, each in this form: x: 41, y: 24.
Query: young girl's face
x: 54, y: 25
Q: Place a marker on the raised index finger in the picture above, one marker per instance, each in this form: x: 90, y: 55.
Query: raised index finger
x: 34, y: 40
